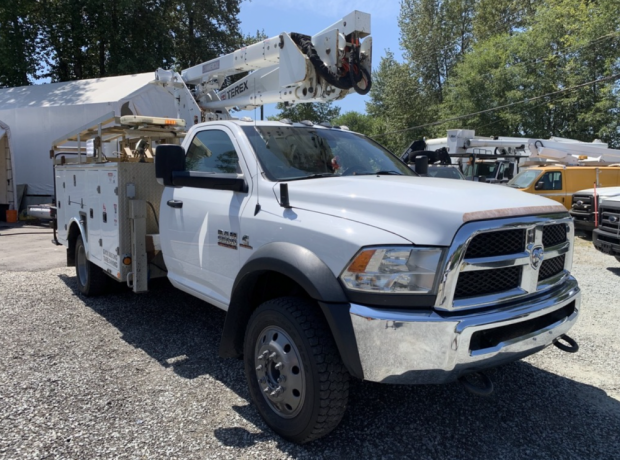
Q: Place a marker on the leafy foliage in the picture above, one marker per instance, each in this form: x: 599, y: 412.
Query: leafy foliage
x: 561, y: 48
x: 76, y: 39
x: 355, y: 121
x: 464, y: 57
x: 18, y: 42
x: 315, y: 112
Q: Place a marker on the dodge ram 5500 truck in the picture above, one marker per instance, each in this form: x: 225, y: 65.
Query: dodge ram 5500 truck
x: 331, y: 258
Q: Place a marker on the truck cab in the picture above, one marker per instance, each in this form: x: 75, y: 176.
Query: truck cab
x: 491, y: 171
x: 559, y: 182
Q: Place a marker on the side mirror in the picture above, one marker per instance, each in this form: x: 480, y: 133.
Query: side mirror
x: 539, y: 185
x: 169, y: 158
x: 421, y: 165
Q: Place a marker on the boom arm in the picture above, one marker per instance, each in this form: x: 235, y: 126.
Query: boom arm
x: 289, y: 68
x: 569, y: 152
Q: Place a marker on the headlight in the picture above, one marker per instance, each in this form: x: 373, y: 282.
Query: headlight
x: 395, y: 270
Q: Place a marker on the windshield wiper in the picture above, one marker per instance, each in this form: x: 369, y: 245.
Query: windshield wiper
x: 378, y: 173
x: 315, y: 176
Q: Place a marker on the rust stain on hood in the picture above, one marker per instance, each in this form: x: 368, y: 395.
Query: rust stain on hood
x: 512, y: 212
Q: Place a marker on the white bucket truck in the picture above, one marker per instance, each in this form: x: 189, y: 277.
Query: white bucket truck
x: 331, y: 258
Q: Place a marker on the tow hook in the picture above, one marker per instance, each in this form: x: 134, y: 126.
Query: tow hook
x: 572, y: 346
x: 477, y: 383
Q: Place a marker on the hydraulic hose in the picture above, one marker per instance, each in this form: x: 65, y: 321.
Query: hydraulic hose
x: 354, y: 75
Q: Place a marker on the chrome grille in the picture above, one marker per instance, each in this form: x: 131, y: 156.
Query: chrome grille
x: 582, y: 203
x: 487, y: 282
x: 496, y: 244
x: 551, y: 267
x: 491, y: 262
x: 610, y: 220
x: 554, y: 235
x: 609, y: 239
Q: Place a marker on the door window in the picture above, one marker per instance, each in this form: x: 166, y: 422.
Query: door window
x: 551, y: 181
x: 212, y: 151
x: 510, y: 171
x: 500, y: 173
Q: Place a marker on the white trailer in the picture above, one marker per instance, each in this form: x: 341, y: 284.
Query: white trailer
x: 38, y: 114
x: 8, y: 186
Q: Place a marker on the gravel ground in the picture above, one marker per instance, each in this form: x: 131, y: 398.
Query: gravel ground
x: 138, y: 376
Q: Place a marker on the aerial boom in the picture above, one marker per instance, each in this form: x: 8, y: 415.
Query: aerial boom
x: 289, y: 68
x: 572, y: 153
x: 560, y: 150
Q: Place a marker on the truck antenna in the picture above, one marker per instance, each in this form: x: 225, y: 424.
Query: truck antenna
x: 257, y: 208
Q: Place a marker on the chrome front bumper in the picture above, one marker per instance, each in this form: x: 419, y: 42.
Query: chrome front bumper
x: 397, y: 346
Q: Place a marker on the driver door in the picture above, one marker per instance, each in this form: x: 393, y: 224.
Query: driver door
x: 551, y: 185
x: 200, y: 227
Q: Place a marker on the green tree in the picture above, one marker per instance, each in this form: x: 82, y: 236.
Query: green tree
x: 97, y: 38
x: 567, y: 43
x: 315, y: 112
x: 355, y: 121
x: 398, y: 101
x: 204, y: 29
x: 435, y: 34
x: 500, y: 17
x: 18, y: 42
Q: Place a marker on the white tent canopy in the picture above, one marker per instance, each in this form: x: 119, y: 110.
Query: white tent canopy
x: 37, y: 115
x: 8, y: 187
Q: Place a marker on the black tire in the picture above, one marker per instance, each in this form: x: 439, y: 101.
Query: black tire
x: 617, y: 258
x: 310, y: 402
x: 91, y: 279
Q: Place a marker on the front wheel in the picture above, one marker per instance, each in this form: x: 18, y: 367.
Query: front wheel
x: 90, y: 278
x: 295, y: 375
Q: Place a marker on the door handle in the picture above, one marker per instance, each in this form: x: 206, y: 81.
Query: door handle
x: 175, y: 203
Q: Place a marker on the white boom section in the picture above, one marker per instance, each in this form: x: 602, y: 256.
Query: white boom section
x: 459, y: 140
x: 567, y: 151
x: 281, y: 72
x: 570, y: 152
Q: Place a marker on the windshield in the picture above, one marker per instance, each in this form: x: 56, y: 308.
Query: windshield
x: 524, y: 179
x: 446, y: 172
x: 295, y: 152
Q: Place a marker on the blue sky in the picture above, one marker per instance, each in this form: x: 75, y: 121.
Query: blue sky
x: 309, y: 17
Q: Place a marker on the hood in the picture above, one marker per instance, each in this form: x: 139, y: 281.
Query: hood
x: 611, y: 201
x: 600, y: 191
x: 425, y: 211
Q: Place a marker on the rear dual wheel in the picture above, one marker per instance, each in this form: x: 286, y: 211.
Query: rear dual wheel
x: 91, y: 279
x: 295, y: 375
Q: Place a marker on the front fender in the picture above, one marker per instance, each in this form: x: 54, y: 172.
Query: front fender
x: 308, y: 271
x: 299, y: 264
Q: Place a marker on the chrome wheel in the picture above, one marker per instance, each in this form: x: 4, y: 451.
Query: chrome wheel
x: 82, y: 265
x: 279, y: 371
